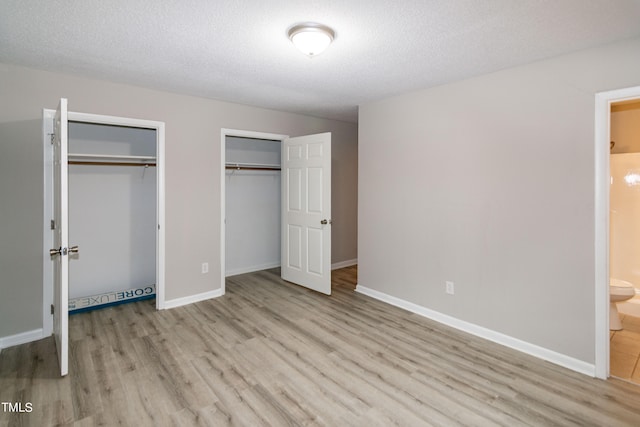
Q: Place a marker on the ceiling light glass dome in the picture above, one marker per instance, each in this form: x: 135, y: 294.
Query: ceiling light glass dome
x: 311, y: 38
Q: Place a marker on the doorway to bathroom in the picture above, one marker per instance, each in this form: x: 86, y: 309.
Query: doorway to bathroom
x: 617, y: 184
x: 624, y: 239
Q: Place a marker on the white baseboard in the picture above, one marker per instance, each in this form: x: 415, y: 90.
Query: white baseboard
x: 192, y: 298
x: 251, y: 269
x: 21, y: 338
x: 488, y: 334
x: 343, y: 264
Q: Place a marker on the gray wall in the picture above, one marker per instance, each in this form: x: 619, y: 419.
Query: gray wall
x: 489, y: 183
x: 21, y: 192
x: 193, y: 176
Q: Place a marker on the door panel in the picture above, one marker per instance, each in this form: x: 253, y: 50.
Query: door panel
x: 306, y: 211
x: 314, y: 189
x: 60, y: 237
x: 294, y: 260
x: 294, y: 178
x: 314, y: 247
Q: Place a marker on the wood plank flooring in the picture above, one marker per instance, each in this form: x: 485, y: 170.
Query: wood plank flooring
x: 272, y: 353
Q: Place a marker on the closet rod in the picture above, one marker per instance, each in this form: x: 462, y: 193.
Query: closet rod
x: 251, y: 168
x: 75, y: 162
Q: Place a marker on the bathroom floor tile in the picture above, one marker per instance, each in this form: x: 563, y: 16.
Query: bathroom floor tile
x: 626, y: 342
x: 635, y: 376
x: 622, y: 364
x: 625, y: 349
x: 631, y: 324
x: 631, y: 319
x: 627, y: 332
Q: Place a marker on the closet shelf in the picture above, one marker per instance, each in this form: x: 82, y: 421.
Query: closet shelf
x: 109, y: 159
x: 252, y: 166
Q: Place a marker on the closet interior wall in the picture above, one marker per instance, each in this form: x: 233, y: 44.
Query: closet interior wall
x: 252, y: 204
x: 112, y: 210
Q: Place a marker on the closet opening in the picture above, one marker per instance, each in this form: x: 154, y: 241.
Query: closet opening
x: 275, y: 198
x: 112, y: 215
x: 253, y: 204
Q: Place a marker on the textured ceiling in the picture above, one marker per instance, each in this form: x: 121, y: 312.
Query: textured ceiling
x: 237, y: 50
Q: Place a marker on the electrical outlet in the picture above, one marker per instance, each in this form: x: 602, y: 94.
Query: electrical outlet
x: 205, y: 267
x: 449, y: 288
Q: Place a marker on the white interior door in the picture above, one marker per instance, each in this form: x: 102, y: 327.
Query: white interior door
x: 60, y: 251
x: 306, y: 211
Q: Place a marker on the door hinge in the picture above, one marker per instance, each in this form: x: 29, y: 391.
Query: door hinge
x: 52, y: 309
x: 53, y: 137
x: 53, y: 224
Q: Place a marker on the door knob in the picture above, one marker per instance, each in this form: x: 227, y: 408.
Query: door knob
x: 64, y: 251
x: 325, y: 221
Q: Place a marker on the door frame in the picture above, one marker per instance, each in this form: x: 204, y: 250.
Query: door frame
x: 47, y: 130
x: 603, y: 103
x: 224, y: 133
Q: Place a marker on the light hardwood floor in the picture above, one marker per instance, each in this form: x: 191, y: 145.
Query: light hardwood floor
x: 271, y: 353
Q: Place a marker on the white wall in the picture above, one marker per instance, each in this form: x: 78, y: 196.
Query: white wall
x: 193, y: 175
x: 489, y: 183
x: 252, y: 207
x: 112, y: 218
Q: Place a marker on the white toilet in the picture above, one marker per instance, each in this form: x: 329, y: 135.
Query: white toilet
x: 619, y: 291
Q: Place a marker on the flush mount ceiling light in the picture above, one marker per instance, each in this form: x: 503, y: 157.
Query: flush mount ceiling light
x: 311, y: 38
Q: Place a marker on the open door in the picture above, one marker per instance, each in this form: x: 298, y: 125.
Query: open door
x: 306, y: 211
x: 60, y: 251
x: 57, y: 252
